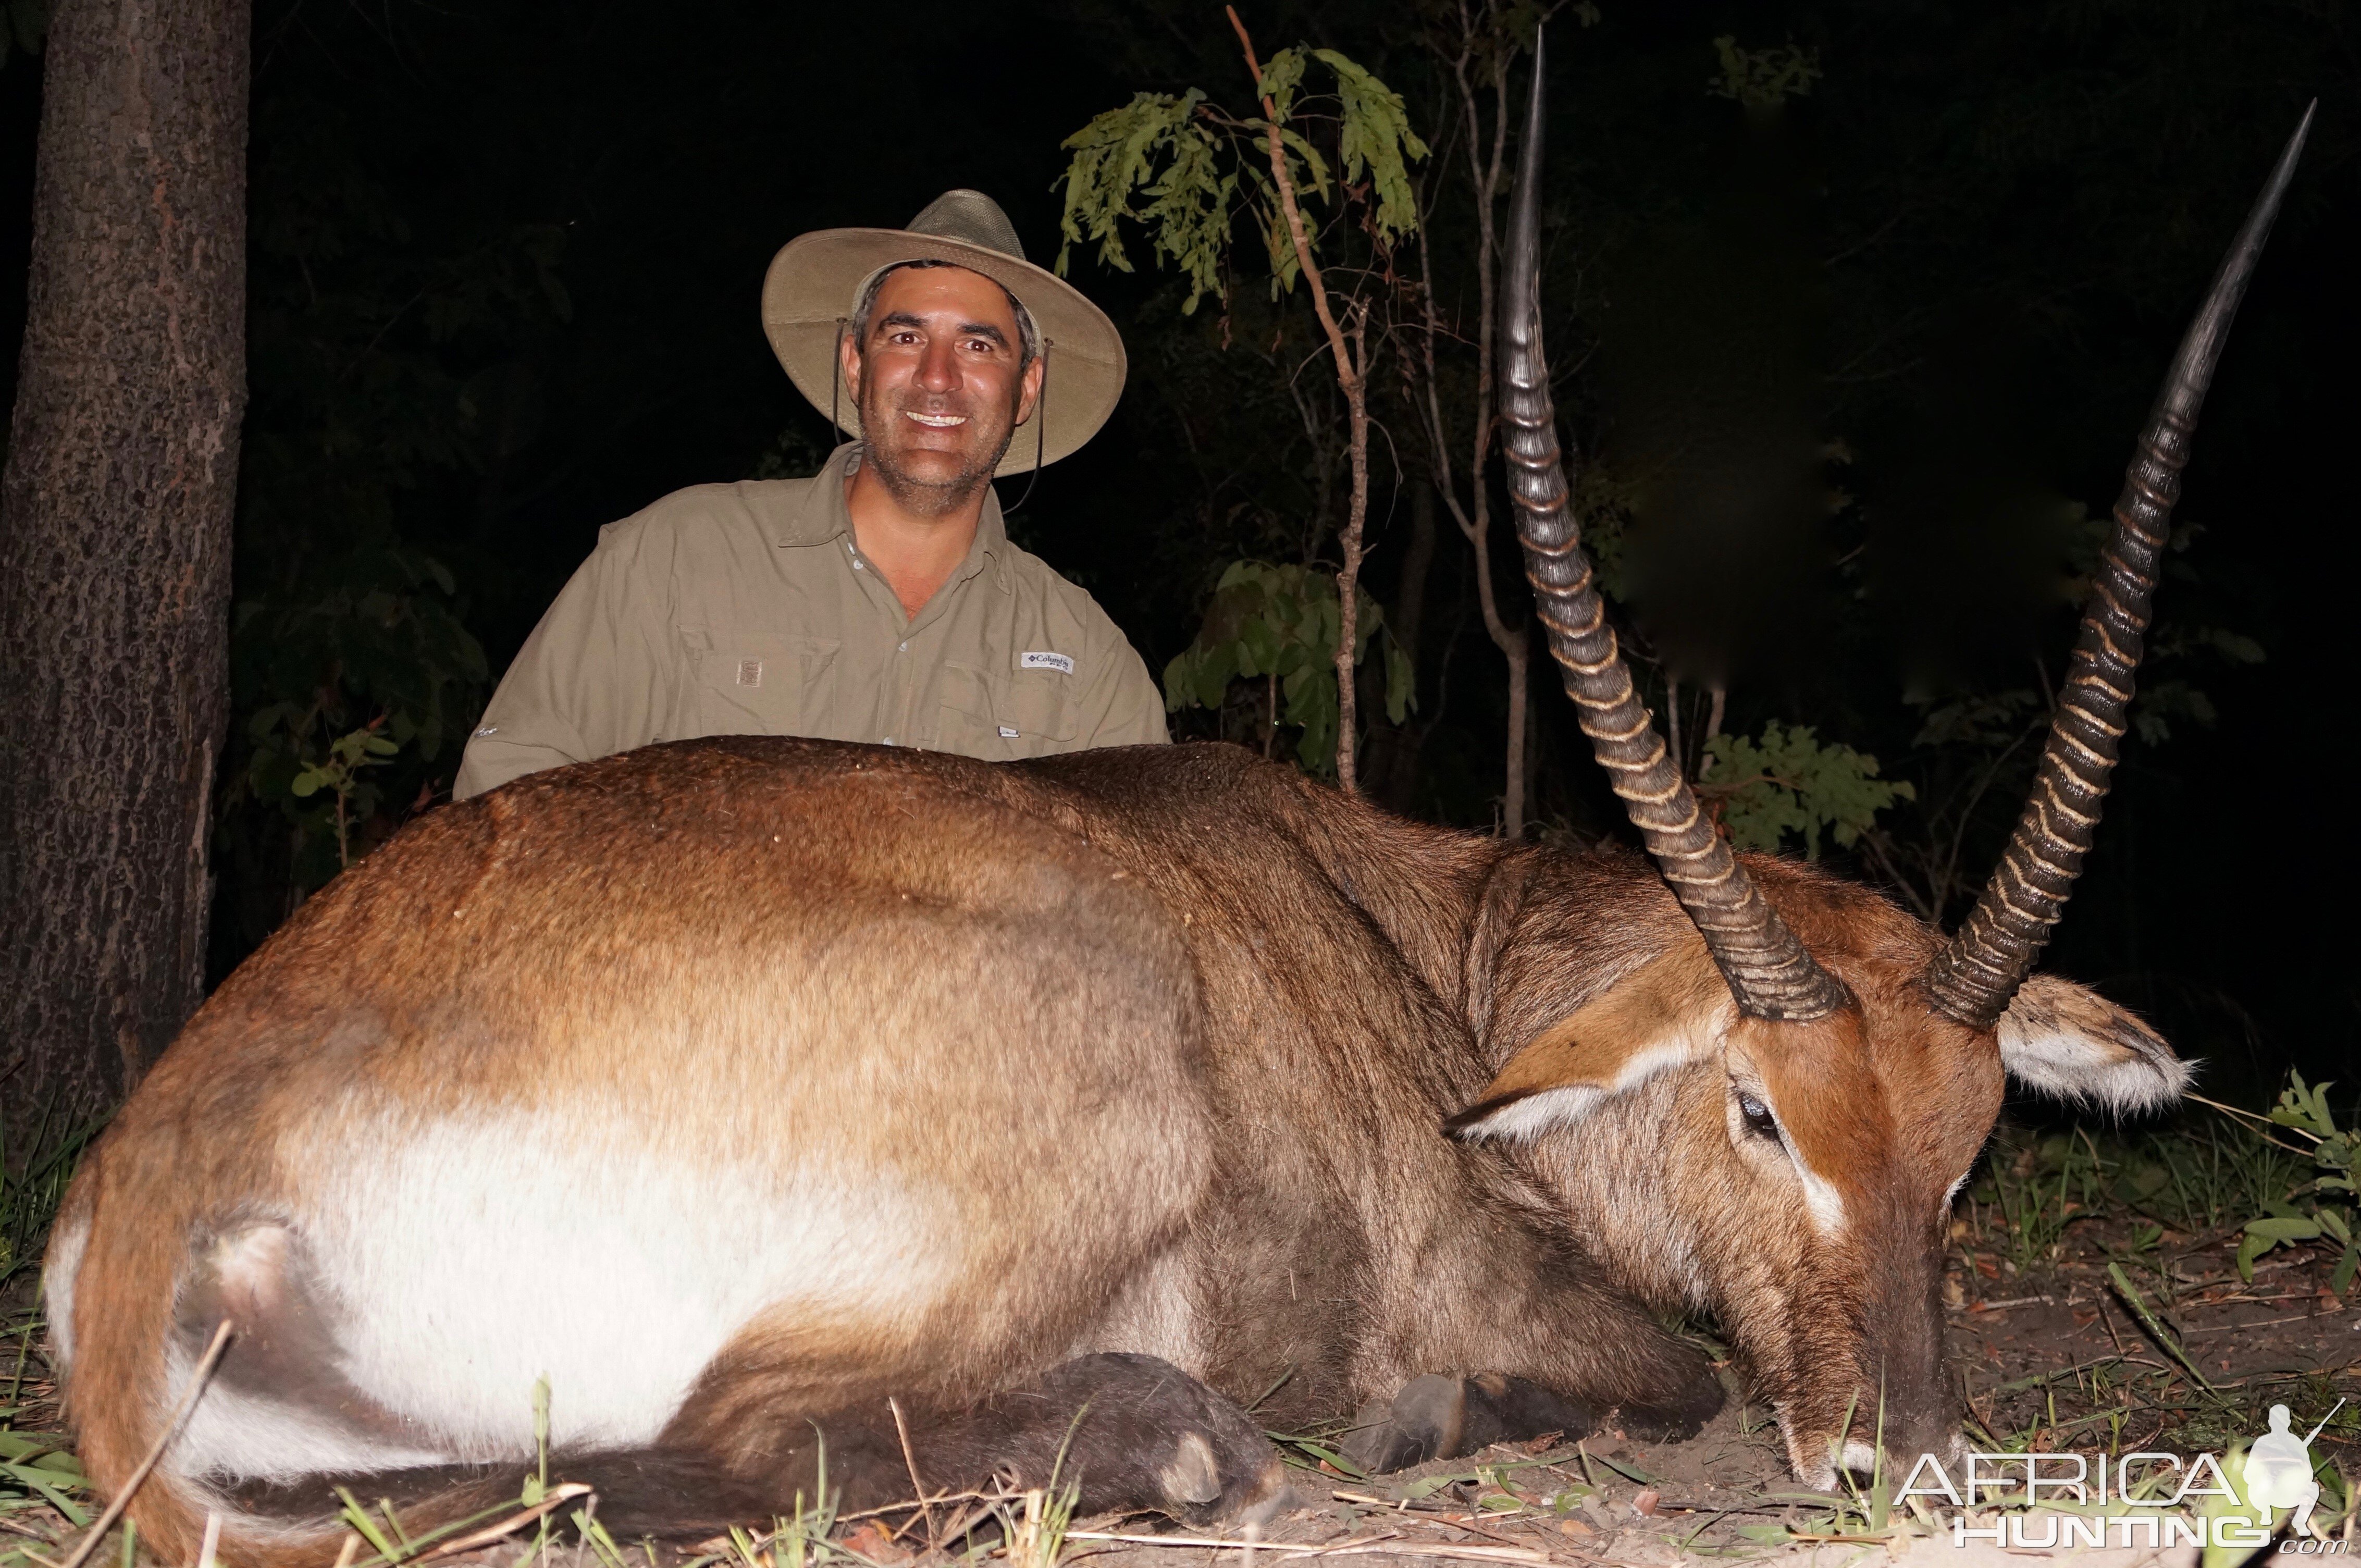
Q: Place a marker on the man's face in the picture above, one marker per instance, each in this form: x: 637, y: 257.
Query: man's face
x: 938, y: 386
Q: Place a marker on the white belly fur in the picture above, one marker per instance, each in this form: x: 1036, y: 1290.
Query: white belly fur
x: 481, y: 1255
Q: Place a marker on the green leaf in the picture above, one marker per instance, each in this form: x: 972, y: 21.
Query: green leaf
x: 2342, y: 1280
x: 1155, y: 163
x: 1314, y: 166
x: 1155, y: 147
x: 51, y: 1487
x: 1625, y: 1468
x: 1401, y: 683
x: 1789, y: 783
x: 1375, y: 135
x: 1280, y: 78
x: 2249, y: 1249
x: 2284, y: 1229
x: 1764, y: 78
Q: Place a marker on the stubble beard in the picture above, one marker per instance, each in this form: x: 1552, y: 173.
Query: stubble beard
x: 915, y: 493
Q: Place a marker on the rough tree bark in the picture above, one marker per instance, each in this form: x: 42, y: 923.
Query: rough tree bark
x: 114, y: 546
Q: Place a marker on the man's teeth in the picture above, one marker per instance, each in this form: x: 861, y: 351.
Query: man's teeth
x: 936, y: 422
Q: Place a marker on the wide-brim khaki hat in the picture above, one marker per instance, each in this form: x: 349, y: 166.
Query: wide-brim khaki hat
x: 817, y: 278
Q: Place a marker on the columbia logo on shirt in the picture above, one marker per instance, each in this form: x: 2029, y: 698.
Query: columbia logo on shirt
x: 1041, y: 660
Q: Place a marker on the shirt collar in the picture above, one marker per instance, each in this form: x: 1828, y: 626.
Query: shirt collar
x: 822, y: 517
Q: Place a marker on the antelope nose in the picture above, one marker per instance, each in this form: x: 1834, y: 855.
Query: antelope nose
x: 1940, y: 1440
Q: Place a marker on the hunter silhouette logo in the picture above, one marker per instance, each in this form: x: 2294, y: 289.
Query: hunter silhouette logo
x: 2277, y: 1471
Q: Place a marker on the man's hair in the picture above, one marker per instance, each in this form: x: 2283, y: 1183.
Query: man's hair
x: 1028, y: 335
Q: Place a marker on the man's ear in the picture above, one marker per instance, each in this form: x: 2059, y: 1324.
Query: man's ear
x: 1028, y: 387
x: 1671, y: 1011
x: 2068, y: 1041
x: 847, y: 363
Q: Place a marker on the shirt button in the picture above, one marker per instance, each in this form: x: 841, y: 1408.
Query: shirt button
x: 905, y: 648
x: 889, y: 739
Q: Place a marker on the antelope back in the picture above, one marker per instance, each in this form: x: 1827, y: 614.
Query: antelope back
x: 722, y: 1056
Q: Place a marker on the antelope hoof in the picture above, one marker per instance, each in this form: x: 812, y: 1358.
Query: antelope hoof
x: 1436, y: 1417
x: 1678, y: 1417
x: 1152, y: 1436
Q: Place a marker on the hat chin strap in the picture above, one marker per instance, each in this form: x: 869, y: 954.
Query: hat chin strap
x: 1041, y: 432
x: 834, y: 378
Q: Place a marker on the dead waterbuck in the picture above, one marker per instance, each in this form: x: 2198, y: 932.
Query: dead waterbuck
x: 772, y: 1097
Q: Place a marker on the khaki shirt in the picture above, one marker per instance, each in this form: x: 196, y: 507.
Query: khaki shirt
x: 746, y: 609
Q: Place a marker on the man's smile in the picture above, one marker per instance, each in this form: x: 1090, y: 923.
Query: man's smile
x: 936, y: 421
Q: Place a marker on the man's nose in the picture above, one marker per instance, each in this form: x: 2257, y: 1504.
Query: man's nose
x: 939, y: 367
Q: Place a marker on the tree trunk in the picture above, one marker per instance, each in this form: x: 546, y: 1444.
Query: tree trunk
x: 1390, y: 777
x: 114, y: 546
x: 1474, y: 518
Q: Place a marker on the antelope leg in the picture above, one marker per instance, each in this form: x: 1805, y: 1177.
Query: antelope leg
x: 1130, y: 1432
x: 1436, y: 1416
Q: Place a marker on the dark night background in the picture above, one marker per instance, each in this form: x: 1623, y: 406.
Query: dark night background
x: 504, y: 262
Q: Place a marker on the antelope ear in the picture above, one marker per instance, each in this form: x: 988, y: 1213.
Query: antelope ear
x: 2068, y: 1041
x: 1669, y: 1012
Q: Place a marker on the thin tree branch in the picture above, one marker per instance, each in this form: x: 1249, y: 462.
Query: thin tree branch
x: 1350, y: 379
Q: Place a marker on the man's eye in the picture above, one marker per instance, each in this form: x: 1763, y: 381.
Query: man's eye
x: 1759, y: 1120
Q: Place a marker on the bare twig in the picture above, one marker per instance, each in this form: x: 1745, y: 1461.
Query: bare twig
x: 551, y: 1501
x: 926, y: 1508
x: 130, y: 1487
x: 2252, y: 1123
x: 1389, y: 1544
x: 1352, y: 381
x: 1474, y: 517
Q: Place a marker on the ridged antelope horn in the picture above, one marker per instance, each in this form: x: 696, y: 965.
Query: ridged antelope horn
x: 1769, y: 972
x: 1973, y: 978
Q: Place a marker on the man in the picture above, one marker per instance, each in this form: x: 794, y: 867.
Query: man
x: 881, y: 600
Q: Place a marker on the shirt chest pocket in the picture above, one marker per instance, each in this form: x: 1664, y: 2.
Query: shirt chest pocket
x: 1025, y: 713
x: 759, y: 683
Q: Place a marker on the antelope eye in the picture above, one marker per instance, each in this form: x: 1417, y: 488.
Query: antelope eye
x: 1759, y: 1120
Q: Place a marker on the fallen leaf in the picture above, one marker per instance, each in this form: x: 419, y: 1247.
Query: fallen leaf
x: 1574, y: 1526
x: 1646, y: 1501
x: 871, y: 1540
